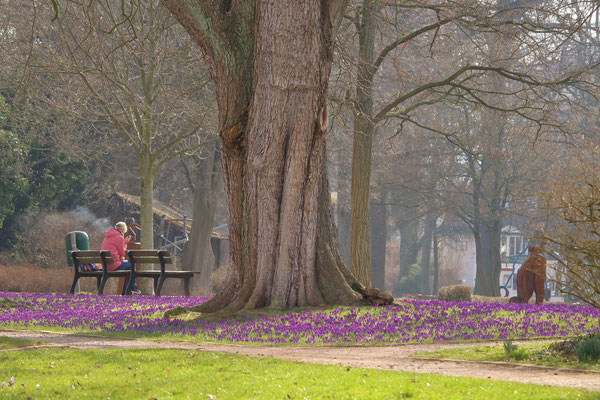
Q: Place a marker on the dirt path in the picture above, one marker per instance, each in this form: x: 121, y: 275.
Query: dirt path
x: 397, y: 358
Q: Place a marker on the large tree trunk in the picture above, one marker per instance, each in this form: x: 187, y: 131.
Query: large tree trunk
x: 272, y: 103
x: 360, y: 259
x: 198, y: 255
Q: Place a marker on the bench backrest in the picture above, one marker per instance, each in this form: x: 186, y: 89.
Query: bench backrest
x: 149, y: 257
x: 91, y: 257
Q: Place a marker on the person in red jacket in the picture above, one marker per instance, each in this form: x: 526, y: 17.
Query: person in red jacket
x: 116, y: 244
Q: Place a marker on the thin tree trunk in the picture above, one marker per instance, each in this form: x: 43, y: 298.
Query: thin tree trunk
x: 343, y: 223
x: 378, y: 244
x: 436, y: 262
x: 344, y: 227
x: 426, y: 255
x: 198, y: 255
x: 146, y: 200
x: 360, y: 259
x: 487, y: 244
x: 409, y: 246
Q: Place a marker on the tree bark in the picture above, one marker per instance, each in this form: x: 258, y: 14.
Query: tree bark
x: 198, y: 255
x: 272, y: 92
x: 487, y: 245
x: 410, y: 245
x: 146, y: 201
x: 426, y: 255
x: 360, y: 259
x: 436, y: 262
x: 378, y: 243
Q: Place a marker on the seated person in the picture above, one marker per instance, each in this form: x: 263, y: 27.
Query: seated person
x: 116, y: 243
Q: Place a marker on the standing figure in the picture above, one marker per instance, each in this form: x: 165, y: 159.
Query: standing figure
x: 531, y: 277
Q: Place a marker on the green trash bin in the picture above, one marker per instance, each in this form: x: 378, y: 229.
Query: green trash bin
x: 76, y: 240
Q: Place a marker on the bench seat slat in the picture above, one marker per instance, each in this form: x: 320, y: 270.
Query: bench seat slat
x: 153, y: 273
x: 149, y: 253
x: 99, y: 273
x: 150, y: 260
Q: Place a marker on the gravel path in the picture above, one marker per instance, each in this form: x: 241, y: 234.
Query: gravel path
x: 397, y: 358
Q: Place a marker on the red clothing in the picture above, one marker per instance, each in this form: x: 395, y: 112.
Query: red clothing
x: 114, y: 241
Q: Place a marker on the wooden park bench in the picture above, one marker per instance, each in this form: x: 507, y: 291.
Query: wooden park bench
x: 162, y: 257
x: 82, y: 257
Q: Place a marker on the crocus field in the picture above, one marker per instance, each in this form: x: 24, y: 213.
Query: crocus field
x: 405, y: 321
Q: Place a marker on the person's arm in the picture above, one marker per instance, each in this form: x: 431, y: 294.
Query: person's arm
x: 121, y: 248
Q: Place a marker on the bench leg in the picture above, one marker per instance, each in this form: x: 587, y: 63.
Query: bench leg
x: 75, y: 279
x: 155, y: 285
x: 186, y: 286
x: 101, y: 287
x: 122, y: 283
x: 127, y: 286
x: 161, y: 280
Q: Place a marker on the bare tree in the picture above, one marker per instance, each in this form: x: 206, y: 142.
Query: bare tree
x: 139, y: 76
x: 570, y: 207
x: 528, y: 33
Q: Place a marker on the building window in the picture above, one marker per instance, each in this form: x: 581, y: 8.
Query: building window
x: 515, y: 245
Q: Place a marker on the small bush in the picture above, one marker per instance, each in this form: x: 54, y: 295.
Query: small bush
x: 588, y: 350
x: 513, y: 351
x: 455, y: 293
x: 509, y: 346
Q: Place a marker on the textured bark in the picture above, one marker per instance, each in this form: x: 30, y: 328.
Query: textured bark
x: 146, y: 201
x: 272, y: 91
x: 378, y: 243
x: 360, y: 260
x: 342, y: 208
x: 410, y: 245
x: 344, y: 227
x: 198, y: 255
x: 426, y: 255
x: 487, y: 245
x: 436, y: 262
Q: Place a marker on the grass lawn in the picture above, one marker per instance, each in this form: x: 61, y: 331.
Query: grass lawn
x: 537, y: 354
x: 12, y: 343
x: 182, y: 374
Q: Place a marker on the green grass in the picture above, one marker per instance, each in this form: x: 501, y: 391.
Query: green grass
x: 12, y: 343
x: 182, y: 374
x: 536, y: 354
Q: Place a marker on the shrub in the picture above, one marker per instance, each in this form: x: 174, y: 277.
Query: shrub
x: 588, y: 350
x: 455, y: 293
x: 34, y: 279
x: 513, y: 351
x: 41, y: 238
x: 410, y: 282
